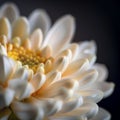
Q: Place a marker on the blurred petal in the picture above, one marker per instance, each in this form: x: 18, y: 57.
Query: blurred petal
x: 36, y: 39
x: 7, y: 68
x: 6, y: 97
x: 9, y: 10
x: 102, y: 115
x: 4, y: 114
x: 5, y: 28
x: 25, y: 111
x: 3, y: 50
x: 40, y: 19
x: 21, y: 28
x: 64, y: 28
x: 102, y: 71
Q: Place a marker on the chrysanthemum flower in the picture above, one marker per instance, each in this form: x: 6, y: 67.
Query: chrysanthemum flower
x: 43, y: 76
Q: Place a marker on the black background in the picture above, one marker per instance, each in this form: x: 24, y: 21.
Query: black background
x: 96, y: 20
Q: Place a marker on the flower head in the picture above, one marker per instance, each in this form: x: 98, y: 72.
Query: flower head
x: 45, y: 76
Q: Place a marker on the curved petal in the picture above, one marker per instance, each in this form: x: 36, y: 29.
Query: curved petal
x: 26, y: 111
x: 91, y: 94
x: 5, y: 27
x: 102, y: 115
x: 72, y: 104
x: 7, y: 68
x: 40, y: 19
x: 38, y: 80
x: 61, y: 33
x: 3, y: 51
x: 106, y: 87
x: 36, y: 39
x: 9, y: 10
x: 6, y: 97
x: 21, y: 28
x: 102, y: 71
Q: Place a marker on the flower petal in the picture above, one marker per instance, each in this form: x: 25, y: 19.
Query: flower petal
x: 21, y: 28
x: 106, y: 87
x: 64, y: 28
x: 72, y: 104
x: 38, y: 80
x: 5, y: 28
x: 36, y: 39
x: 9, y: 10
x: 91, y: 94
x: 102, y: 71
x: 7, y: 68
x: 87, y: 78
x: 40, y: 19
x: 102, y: 115
x: 4, y: 114
x: 6, y: 97
x: 76, y: 66
x: 3, y: 50
x: 25, y: 111
x: 19, y: 83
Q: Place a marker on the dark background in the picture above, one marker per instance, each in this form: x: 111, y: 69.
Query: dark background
x: 96, y: 20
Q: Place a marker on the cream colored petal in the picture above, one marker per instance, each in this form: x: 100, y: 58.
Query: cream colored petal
x: 9, y: 10
x: 21, y: 28
x: 36, y: 39
x: 88, y: 78
x: 19, y: 83
x: 53, y: 77
x: 87, y: 109
x: 91, y: 94
x: 76, y: 66
x: 7, y: 68
x: 46, y: 51
x: 106, y: 87
x: 102, y: 71
x: 3, y: 50
x: 88, y: 47
x: 40, y: 19
x: 61, y: 33
x: 6, y: 97
x: 61, y: 64
x: 38, y: 80
x: 102, y: 115
x: 5, y: 28
x: 72, y: 104
x: 61, y: 89
x: 25, y: 111
x: 67, y: 53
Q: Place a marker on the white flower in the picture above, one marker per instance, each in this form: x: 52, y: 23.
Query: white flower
x: 50, y: 79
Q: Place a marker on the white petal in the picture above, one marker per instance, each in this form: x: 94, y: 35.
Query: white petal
x: 36, y: 39
x: 25, y: 111
x: 21, y: 28
x: 19, y: 83
x: 76, y: 66
x: 9, y: 10
x: 3, y: 50
x: 102, y: 71
x: 72, y: 104
x: 61, y: 64
x: 106, y: 87
x: 7, y: 68
x: 91, y: 94
x: 87, y: 78
x: 87, y: 47
x: 87, y: 109
x: 6, y: 97
x: 61, y: 33
x: 38, y: 80
x: 102, y: 115
x: 40, y: 19
x: 5, y: 28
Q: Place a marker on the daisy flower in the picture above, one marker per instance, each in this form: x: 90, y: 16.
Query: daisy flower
x: 43, y: 75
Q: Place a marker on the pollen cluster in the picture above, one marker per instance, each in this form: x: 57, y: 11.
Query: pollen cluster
x: 30, y: 58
